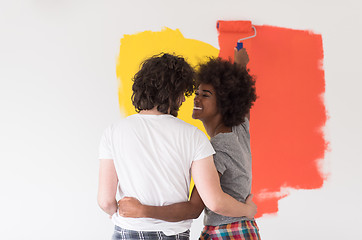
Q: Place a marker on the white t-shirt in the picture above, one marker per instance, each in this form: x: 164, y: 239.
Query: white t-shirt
x: 152, y: 155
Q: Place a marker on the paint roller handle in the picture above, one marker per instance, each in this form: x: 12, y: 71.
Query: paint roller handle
x: 241, y: 57
x: 239, y: 45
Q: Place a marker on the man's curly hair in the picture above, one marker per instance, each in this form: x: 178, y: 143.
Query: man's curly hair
x: 162, y: 80
x: 234, y: 87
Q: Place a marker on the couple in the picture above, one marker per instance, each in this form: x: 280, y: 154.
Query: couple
x: 149, y: 157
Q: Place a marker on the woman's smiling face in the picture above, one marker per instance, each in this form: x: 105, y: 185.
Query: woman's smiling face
x: 205, y: 106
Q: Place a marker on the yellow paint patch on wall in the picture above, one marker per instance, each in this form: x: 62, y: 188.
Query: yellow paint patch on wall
x: 138, y: 47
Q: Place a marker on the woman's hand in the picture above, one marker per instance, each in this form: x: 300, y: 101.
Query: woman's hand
x: 241, y: 57
x: 252, y: 207
x: 130, y: 207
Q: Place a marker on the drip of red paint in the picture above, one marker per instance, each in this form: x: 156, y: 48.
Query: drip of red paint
x: 287, y: 119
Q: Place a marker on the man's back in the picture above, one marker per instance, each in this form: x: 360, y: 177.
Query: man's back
x: 152, y: 155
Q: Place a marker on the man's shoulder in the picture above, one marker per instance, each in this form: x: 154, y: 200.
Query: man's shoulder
x: 126, y: 120
x: 182, y: 123
x: 119, y: 123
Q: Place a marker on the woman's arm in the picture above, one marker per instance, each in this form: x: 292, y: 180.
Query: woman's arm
x: 107, y: 186
x: 241, y: 57
x: 131, y: 207
x: 207, y: 180
x: 208, y: 184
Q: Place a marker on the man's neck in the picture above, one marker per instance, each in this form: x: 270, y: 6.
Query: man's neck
x: 152, y: 111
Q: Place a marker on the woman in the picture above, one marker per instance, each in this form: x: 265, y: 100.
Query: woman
x: 223, y: 100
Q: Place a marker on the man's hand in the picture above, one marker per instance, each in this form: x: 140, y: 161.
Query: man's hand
x: 130, y: 207
x: 252, y: 206
x: 241, y: 57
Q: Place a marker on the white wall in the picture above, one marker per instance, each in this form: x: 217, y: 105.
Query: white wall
x: 58, y: 91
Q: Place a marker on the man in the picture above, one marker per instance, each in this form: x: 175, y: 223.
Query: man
x: 150, y: 155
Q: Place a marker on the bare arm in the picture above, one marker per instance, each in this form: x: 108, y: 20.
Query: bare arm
x: 241, y: 57
x: 131, y: 207
x: 248, y: 115
x: 107, y: 186
x: 208, y: 184
x: 221, y: 202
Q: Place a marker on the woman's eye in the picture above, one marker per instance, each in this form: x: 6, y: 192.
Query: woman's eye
x: 205, y: 95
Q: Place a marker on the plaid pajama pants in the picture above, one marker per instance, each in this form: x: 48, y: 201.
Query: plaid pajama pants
x: 243, y: 230
x: 125, y: 234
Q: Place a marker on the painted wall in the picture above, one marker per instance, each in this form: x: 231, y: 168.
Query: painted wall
x: 59, y: 90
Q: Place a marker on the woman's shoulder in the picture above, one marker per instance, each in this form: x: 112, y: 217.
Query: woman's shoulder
x: 223, y: 141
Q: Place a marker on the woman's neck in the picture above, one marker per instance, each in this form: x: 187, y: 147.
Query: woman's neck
x: 215, y: 126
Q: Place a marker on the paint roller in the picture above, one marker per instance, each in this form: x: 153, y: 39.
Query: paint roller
x: 242, y: 27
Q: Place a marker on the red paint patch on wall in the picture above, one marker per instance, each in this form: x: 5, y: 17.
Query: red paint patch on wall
x: 287, y: 119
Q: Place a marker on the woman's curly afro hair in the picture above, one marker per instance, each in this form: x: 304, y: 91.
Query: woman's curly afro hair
x: 234, y: 87
x: 162, y: 80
